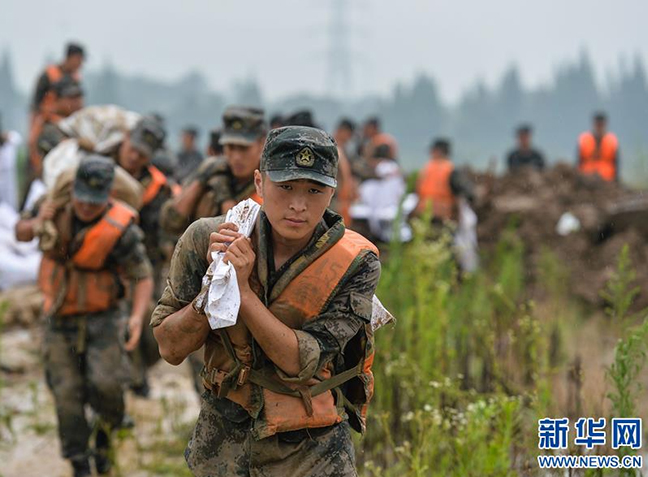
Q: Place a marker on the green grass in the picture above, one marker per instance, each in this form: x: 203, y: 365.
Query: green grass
x: 469, y: 368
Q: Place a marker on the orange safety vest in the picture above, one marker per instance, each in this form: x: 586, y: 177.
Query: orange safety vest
x: 46, y: 113
x: 82, y: 284
x: 434, y: 186
x: 158, y: 180
x: 288, y: 406
x: 256, y: 198
x: 599, y: 160
x: 54, y: 75
x: 48, y: 104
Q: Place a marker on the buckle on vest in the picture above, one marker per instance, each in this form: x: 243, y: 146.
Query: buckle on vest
x: 243, y: 375
x: 216, y: 376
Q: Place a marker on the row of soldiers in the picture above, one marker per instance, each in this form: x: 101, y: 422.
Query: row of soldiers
x: 269, y: 382
x: 110, y: 261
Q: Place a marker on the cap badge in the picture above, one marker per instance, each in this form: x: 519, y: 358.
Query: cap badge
x: 305, y: 158
x: 237, y: 125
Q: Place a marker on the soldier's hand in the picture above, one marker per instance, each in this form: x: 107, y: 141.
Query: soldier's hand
x: 134, y: 333
x: 46, y: 211
x: 241, y: 255
x: 222, y: 238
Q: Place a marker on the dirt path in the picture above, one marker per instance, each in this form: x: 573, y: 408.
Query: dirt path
x: 29, y: 445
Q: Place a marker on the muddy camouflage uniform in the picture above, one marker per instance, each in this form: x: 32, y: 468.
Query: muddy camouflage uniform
x: 148, y: 137
x: 221, y: 186
x: 85, y: 361
x: 223, y: 442
x: 241, y: 126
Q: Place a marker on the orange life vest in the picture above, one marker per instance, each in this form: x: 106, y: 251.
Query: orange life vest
x: 54, y: 75
x: 82, y: 284
x: 256, y: 198
x: 599, y: 160
x: 434, y: 186
x: 48, y: 104
x: 46, y: 112
x: 288, y: 406
x: 158, y: 180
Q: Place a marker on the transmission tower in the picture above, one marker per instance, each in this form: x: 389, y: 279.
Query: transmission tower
x: 340, y: 67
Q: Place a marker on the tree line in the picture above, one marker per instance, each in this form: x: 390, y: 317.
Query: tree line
x: 480, y: 124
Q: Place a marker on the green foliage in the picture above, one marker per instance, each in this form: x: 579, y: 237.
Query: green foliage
x: 464, y: 370
x: 630, y: 351
x: 629, y: 360
x: 619, y: 292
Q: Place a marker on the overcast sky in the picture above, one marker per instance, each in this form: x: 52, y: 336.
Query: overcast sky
x: 283, y: 43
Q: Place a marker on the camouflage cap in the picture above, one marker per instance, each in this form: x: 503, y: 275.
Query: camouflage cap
x: 242, y: 125
x: 300, y: 152
x: 147, y: 136
x: 94, y: 178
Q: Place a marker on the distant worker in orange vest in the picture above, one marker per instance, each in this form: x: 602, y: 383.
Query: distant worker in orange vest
x: 99, y: 247
x: 440, y: 184
x: 598, y: 151
x: 44, y: 101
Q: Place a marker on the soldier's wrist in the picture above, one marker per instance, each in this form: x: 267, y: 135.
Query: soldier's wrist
x: 198, y: 305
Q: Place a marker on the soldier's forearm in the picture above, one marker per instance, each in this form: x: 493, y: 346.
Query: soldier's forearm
x: 180, y: 334
x: 142, y: 295
x: 277, y: 340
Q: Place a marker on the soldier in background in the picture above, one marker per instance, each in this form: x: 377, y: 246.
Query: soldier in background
x: 44, y: 102
x: 525, y: 155
x: 99, y: 247
x: 189, y: 158
x: 221, y: 182
x: 134, y: 155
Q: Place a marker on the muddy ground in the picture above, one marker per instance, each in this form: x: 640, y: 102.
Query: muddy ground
x: 29, y: 445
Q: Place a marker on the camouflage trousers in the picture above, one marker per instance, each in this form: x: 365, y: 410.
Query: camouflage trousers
x: 222, y: 445
x: 94, y: 375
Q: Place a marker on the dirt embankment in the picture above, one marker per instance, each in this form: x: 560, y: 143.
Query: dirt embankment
x: 597, y: 219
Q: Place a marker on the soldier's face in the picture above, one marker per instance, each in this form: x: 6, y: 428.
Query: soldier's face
x: 294, y: 208
x: 243, y: 160
x: 86, y: 211
x: 130, y: 158
x: 75, y: 62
